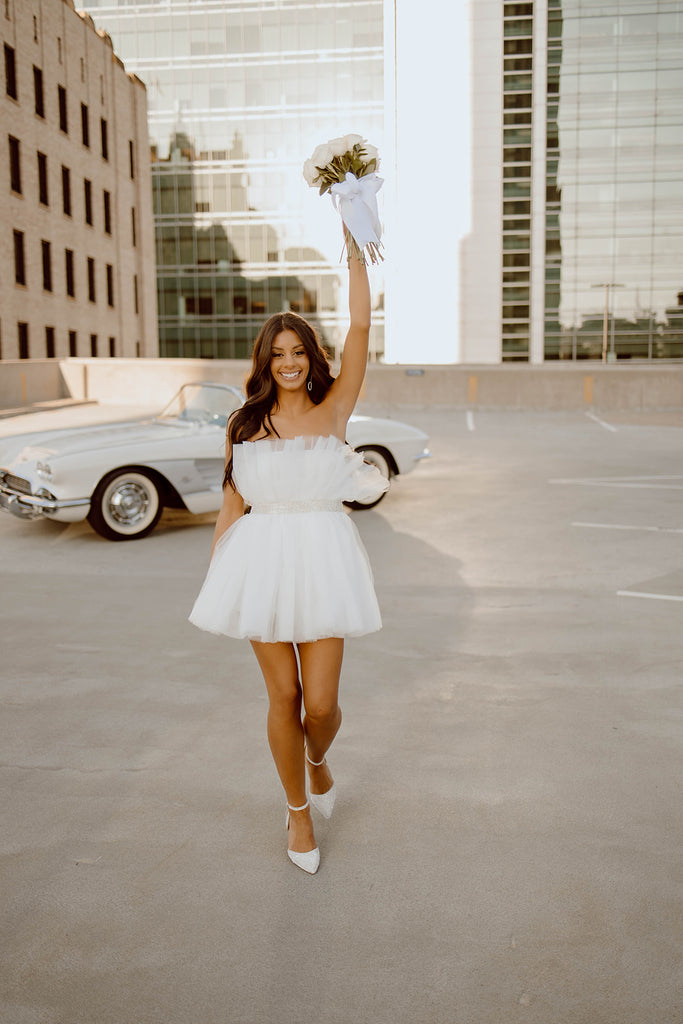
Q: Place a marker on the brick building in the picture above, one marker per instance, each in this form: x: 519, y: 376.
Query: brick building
x: 77, y: 274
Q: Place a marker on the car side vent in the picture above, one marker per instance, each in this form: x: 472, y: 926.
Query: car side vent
x: 210, y: 470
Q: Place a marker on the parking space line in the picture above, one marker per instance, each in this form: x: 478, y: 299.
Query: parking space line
x: 603, y: 423
x: 651, y: 597
x: 642, y: 482
x: 624, y: 526
x: 469, y: 415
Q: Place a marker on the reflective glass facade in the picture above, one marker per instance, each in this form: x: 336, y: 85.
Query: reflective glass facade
x: 239, y: 94
x: 614, y: 166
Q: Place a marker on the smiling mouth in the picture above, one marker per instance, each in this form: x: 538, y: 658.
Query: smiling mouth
x: 290, y: 376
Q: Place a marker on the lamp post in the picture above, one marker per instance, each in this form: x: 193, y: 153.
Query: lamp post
x: 607, y: 285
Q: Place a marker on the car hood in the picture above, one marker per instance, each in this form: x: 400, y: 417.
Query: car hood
x: 56, y: 443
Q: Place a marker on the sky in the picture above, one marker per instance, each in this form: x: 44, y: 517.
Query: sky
x: 427, y: 200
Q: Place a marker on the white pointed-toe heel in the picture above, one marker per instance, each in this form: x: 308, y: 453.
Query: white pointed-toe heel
x: 323, y: 802
x: 308, y: 861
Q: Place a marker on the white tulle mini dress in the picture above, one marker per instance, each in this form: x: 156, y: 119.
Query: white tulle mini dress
x: 294, y: 569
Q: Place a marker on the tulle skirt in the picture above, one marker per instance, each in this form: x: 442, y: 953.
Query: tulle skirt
x: 292, y: 577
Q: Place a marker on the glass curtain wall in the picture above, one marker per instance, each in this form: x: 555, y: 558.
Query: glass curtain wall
x: 239, y: 93
x: 614, y: 214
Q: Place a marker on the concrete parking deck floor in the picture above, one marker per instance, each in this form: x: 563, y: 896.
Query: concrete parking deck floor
x: 506, y: 845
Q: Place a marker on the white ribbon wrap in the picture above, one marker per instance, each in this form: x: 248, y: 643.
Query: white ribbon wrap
x: 356, y: 200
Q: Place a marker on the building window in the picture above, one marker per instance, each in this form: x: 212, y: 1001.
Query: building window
x: 73, y: 345
x: 10, y: 72
x: 59, y: 49
x: 50, y: 342
x: 85, y: 125
x: 93, y: 345
x: 107, y: 211
x: 133, y: 227
x: 104, y: 139
x: 35, y: 29
x: 66, y: 191
x: 42, y: 179
x: 63, y: 122
x: 14, y: 165
x: 131, y: 158
x: 69, y: 270
x: 22, y: 331
x: 47, y: 266
x: 516, y: 223
x: 91, y: 279
x: 110, y: 285
x: 38, y: 91
x: 112, y: 348
x: 19, y: 260
x: 82, y: 70
x: 87, y: 196
x: 135, y: 292
x: 202, y: 305
x: 137, y: 349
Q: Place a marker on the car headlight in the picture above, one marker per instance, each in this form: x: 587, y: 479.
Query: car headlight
x: 44, y: 470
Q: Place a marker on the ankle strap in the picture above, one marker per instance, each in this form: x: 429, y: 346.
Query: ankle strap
x: 302, y: 808
x: 316, y: 763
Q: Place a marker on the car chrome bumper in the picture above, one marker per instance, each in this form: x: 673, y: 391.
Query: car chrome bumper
x: 32, y: 506
x: 424, y: 454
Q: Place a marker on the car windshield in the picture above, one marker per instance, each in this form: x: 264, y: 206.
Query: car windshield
x: 202, y: 403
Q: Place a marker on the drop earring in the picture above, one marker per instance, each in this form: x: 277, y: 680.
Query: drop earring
x: 309, y: 384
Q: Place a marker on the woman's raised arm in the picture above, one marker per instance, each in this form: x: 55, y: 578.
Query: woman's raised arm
x: 346, y: 388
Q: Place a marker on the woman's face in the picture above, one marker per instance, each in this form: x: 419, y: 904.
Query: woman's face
x: 289, y: 363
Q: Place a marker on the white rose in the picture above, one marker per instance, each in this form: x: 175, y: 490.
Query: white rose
x: 370, y: 152
x: 310, y: 172
x: 338, y: 146
x: 352, y: 140
x: 322, y: 155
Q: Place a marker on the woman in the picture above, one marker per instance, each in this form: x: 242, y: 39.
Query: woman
x: 293, y: 575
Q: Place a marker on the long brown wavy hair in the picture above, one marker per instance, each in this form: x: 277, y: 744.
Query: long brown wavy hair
x: 254, y: 416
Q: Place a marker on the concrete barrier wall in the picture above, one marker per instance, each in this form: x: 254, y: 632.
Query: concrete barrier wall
x: 146, y: 381
x: 556, y: 386
x: 25, y: 382
x: 153, y: 382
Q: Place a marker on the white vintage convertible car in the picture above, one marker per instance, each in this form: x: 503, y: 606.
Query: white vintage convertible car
x: 120, y: 476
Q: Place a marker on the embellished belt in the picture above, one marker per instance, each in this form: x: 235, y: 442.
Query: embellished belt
x: 283, y: 507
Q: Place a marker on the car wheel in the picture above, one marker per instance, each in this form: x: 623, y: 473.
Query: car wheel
x: 126, y: 505
x: 380, y: 458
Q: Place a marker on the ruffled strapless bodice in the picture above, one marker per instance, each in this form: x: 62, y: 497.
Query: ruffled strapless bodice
x: 278, y: 471
x: 294, y: 569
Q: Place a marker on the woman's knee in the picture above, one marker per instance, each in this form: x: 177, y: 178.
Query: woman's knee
x: 321, y: 710
x: 285, y: 700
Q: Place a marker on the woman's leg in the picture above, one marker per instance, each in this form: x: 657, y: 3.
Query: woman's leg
x: 321, y: 663
x: 285, y: 734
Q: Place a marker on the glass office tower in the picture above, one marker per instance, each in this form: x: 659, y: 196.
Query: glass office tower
x: 586, y: 104
x: 239, y: 94
x: 614, y: 163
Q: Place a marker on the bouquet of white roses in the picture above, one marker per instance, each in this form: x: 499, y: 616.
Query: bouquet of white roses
x: 345, y: 168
